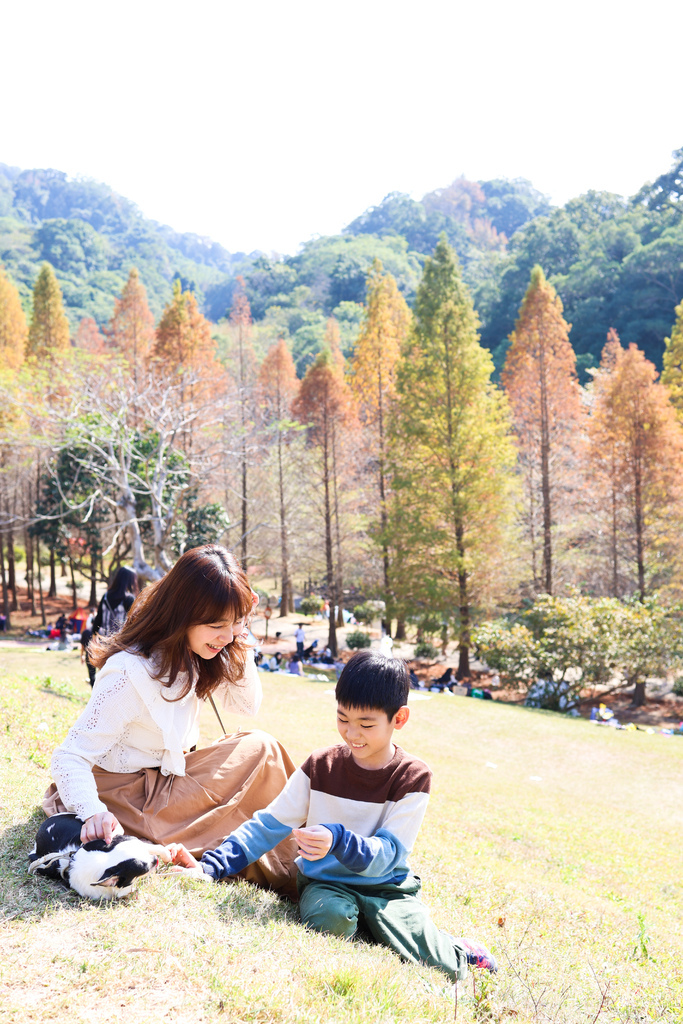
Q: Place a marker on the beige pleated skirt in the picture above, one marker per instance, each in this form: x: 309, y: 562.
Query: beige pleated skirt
x: 223, y: 786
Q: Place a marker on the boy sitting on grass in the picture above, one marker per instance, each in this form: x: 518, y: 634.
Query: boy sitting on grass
x: 355, y: 810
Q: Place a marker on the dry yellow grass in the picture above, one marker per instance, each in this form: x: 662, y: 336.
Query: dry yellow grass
x: 565, y: 858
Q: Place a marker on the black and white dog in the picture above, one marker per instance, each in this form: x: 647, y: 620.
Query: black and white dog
x: 99, y: 870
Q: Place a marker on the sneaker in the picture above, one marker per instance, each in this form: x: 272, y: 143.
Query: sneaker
x: 478, y: 955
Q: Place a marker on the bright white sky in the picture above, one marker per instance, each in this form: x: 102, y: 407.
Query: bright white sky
x: 264, y: 123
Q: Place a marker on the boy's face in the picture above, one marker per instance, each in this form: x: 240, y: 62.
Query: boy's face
x: 367, y: 733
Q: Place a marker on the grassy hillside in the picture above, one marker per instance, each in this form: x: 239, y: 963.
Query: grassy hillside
x: 554, y: 841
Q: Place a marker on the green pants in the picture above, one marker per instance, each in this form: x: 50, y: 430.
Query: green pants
x: 394, y: 915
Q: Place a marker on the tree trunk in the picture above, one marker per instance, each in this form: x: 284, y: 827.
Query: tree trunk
x: 339, y: 577
x: 31, y: 594
x: 92, y: 600
x: 400, y: 629
x: 52, y: 592
x: 5, y: 588
x: 243, y: 446
x: 464, y: 605
x: 638, y: 509
x: 386, y: 621
x: 74, y: 592
x: 638, y: 695
x: 545, y: 480
x: 127, y: 504
x: 332, y: 634
x: 615, y: 576
x: 286, y: 593
x: 12, y: 570
x: 40, y: 583
x: 532, y: 529
x: 244, y: 507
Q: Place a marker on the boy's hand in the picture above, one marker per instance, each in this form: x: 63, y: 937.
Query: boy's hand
x: 181, y: 857
x: 314, y: 842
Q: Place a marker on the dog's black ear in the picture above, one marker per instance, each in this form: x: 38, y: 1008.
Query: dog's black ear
x: 96, y: 844
x: 124, y: 873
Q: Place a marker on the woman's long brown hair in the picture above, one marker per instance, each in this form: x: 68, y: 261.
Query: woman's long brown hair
x: 206, y: 585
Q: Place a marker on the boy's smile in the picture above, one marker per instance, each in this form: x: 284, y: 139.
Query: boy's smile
x: 367, y: 733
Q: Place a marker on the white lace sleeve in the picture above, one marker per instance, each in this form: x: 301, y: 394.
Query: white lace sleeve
x: 113, y: 706
x: 243, y: 698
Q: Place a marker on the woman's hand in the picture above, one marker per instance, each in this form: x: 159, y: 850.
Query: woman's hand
x: 314, y: 842
x: 101, y: 826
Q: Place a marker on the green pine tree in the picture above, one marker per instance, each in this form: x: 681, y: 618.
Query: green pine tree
x: 49, y: 331
x: 453, y: 456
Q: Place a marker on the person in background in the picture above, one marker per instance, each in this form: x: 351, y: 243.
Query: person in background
x: 295, y: 666
x: 116, y: 603
x: 300, y: 638
x: 86, y: 637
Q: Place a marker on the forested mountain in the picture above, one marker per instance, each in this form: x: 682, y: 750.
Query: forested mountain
x: 92, y: 237
x: 615, y: 262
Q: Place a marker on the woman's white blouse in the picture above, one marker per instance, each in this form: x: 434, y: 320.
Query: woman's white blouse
x: 132, y: 722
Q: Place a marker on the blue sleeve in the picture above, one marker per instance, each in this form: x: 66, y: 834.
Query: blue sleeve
x: 376, y: 855
x: 245, y: 845
x: 228, y: 859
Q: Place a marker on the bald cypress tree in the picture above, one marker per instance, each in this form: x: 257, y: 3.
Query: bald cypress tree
x: 453, y: 454
x: 540, y: 379
x: 48, y: 334
x: 13, y: 329
x: 383, y: 333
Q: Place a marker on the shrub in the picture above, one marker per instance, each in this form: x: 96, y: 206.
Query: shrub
x: 562, y: 644
x: 357, y: 639
x: 369, y: 611
x: 678, y: 686
x: 423, y: 649
x: 311, y: 605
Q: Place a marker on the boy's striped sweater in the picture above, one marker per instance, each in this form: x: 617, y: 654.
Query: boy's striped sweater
x: 374, y: 816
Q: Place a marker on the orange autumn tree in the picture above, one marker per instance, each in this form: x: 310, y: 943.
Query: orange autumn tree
x: 131, y: 329
x: 88, y: 337
x: 635, y: 431
x: 183, y: 337
x: 278, y: 387
x: 13, y: 328
x: 604, y: 464
x: 325, y: 406
x: 385, y: 329
x: 184, y: 355
x: 540, y: 379
x: 332, y: 342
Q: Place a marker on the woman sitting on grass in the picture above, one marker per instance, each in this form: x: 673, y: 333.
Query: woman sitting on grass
x: 130, y: 763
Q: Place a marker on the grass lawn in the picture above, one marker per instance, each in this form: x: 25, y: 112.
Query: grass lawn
x: 556, y: 842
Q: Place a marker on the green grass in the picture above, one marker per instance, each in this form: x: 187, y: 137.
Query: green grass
x: 565, y: 858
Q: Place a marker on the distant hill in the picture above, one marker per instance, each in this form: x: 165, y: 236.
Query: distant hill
x: 92, y: 237
x: 615, y: 262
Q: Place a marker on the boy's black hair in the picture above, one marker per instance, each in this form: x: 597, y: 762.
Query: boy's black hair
x: 374, y: 681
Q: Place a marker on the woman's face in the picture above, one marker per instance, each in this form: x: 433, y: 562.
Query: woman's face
x: 208, y: 639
